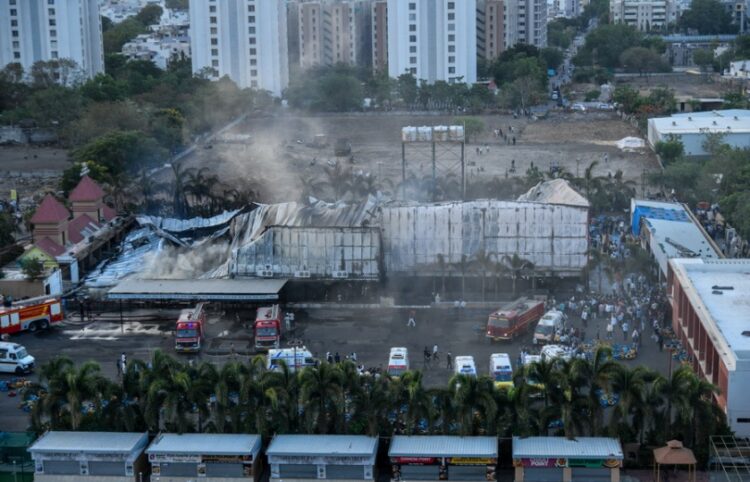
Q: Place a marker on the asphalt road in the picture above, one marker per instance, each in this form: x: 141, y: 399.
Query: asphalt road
x: 368, y: 332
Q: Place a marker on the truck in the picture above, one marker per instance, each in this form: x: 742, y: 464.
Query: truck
x: 190, y: 329
x: 31, y: 315
x: 549, y: 327
x: 267, y: 327
x: 514, y: 319
x: 295, y: 359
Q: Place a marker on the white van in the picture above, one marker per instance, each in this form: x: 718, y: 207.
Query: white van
x: 15, y: 359
x: 295, y: 359
x: 501, y: 370
x: 464, y: 365
x: 549, y: 325
x: 398, y: 361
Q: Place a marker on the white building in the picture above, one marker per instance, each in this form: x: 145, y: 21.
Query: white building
x: 433, y: 39
x: 692, y: 129
x: 525, y: 22
x: 44, y: 30
x: 645, y: 15
x: 711, y: 316
x: 243, y: 39
x: 739, y: 69
x: 160, y: 48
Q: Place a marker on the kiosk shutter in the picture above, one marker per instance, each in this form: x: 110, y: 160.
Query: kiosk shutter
x: 107, y: 468
x: 345, y: 472
x: 62, y: 467
x: 298, y: 471
x: 582, y: 474
x: 466, y: 472
x: 542, y: 475
x: 420, y: 472
x: 179, y: 470
x: 215, y: 469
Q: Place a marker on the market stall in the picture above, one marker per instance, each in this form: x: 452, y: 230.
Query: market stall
x: 209, y: 457
x: 306, y: 457
x: 443, y: 458
x: 558, y: 459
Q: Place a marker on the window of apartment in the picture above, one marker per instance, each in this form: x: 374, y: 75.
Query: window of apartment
x: 451, y: 16
x: 413, y: 49
x: 53, y: 33
x: 253, y: 51
x: 16, y: 55
x: 51, y: 12
x: 53, y: 44
x: 15, y: 33
x: 451, y: 27
x: 254, y: 73
x: 12, y: 2
x: 413, y: 71
x: 52, y: 22
x: 214, y: 63
x: 213, y: 19
x: 451, y: 70
x: 412, y: 38
x: 451, y: 48
x: 451, y: 59
x: 251, y: 30
x: 412, y: 28
x: 412, y: 6
x: 251, y: 8
x: 16, y: 44
x: 54, y: 54
x: 253, y: 62
x: 212, y: 9
x: 215, y: 52
x: 451, y: 5
x: 412, y: 60
x: 50, y: 2
x: 254, y: 84
x: 412, y: 17
x: 251, y: 19
x: 251, y: 40
x: 13, y: 12
x: 214, y: 41
x: 451, y: 37
x: 14, y: 23
x: 214, y: 31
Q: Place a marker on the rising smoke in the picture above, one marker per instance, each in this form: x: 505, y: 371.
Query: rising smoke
x: 184, y: 263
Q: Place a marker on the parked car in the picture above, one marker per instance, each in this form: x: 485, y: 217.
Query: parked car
x: 578, y: 107
x: 605, y: 106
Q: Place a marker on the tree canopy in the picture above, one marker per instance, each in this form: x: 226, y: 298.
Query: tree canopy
x: 707, y: 17
x: 605, y: 44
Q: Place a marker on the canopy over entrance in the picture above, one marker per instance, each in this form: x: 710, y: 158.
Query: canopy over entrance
x: 198, y: 290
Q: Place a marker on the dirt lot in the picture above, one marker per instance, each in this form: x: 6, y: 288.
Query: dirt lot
x: 279, y: 158
x: 31, y: 170
x: 693, y: 85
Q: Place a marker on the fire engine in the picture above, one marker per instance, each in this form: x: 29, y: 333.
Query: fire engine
x: 267, y: 327
x: 189, y: 330
x: 30, y: 315
x: 516, y: 318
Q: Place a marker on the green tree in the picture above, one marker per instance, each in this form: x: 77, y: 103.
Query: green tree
x: 670, y: 150
x: 553, y: 57
x: 149, y: 15
x: 643, y: 61
x: 120, y: 151
x: 605, y: 44
x: 32, y: 268
x: 708, y: 17
x: 703, y: 58
x: 322, y: 397
x: 121, y: 33
x: 473, y: 126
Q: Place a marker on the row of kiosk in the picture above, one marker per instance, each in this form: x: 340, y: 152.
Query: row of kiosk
x: 132, y: 457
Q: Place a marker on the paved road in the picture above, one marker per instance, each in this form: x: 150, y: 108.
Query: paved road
x: 368, y: 332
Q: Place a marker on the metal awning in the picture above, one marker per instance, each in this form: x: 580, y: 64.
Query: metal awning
x: 198, y: 290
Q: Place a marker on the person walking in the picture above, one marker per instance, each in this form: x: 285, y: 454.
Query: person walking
x: 610, y: 330
x: 449, y: 360
x: 636, y: 337
x: 119, y: 367
x: 412, y: 321
x: 426, y: 354
x: 660, y: 342
x: 337, y: 358
x: 625, y: 328
x: 329, y: 358
x: 123, y: 362
x: 435, y: 355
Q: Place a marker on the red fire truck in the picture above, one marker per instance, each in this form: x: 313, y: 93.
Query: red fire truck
x: 30, y: 315
x: 267, y: 327
x: 514, y: 319
x: 189, y: 331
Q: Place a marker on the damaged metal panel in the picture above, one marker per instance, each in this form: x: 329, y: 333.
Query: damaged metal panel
x: 283, y: 251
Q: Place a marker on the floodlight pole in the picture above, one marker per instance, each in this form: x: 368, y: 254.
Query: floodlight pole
x: 434, y: 173
x: 403, y: 170
x: 463, y: 172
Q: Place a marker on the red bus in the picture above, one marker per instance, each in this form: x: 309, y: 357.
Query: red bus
x: 508, y: 322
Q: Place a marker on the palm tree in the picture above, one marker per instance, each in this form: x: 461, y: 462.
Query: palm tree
x: 419, y: 402
x: 370, y: 405
x: 590, y: 183
x: 483, y: 263
x: 517, y: 267
x: 631, y: 386
x: 596, y: 374
x: 474, y: 402
x: 322, y: 396
x: 67, y: 391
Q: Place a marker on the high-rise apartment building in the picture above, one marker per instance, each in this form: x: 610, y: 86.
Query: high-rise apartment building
x: 433, y: 39
x: 645, y: 15
x: 525, y: 22
x: 243, y: 39
x: 34, y: 30
x: 379, y: 31
x: 333, y: 31
x: 490, y: 28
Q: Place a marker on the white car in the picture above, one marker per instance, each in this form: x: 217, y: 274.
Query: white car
x: 578, y: 107
x: 15, y: 359
x: 605, y: 106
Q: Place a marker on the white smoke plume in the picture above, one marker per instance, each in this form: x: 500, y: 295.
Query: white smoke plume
x: 184, y: 263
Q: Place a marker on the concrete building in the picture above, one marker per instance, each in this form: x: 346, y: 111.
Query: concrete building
x: 317, y: 457
x: 433, y: 40
x: 442, y: 457
x: 48, y: 30
x: 645, y: 15
x: 490, y: 28
x: 95, y: 456
x: 593, y: 459
x: 206, y: 457
x: 159, y: 48
x: 692, y: 129
x: 243, y: 39
x: 525, y: 22
x: 379, y: 30
x: 710, y: 316
x: 332, y: 32
x: 669, y: 230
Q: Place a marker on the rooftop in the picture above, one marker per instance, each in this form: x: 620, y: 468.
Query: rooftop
x: 86, y: 190
x: 50, y: 247
x: 703, y: 124
x: 720, y: 291
x: 81, y: 227
x: 551, y: 447
x: 50, y: 211
x: 354, y: 445
x: 442, y: 446
x: 199, y: 289
x: 91, y: 442
x: 680, y: 239
x: 728, y: 113
x: 205, y: 444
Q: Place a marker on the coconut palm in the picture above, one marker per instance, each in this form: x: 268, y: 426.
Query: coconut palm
x: 474, y: 403
x: 631, y: 386
x: 483, y: 263
x: 419, y: 405
x: 322, y: 397
x: 370, y: 406
x: 596, y: 374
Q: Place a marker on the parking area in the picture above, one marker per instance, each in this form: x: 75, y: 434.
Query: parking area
x: 368, y: 332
